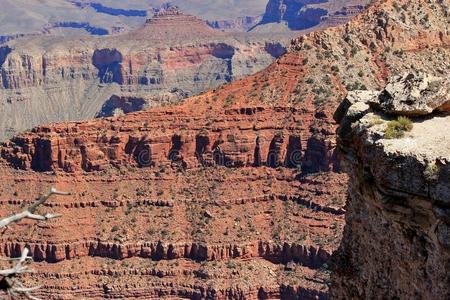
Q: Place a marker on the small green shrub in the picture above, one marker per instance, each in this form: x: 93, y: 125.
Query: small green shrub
x: 392, y: 133
x: 229, y: 100
x: 396, y: 128
x: 399, y: 52
x: 406, y: 123
x: 335, y: 68
x: 356, y: 86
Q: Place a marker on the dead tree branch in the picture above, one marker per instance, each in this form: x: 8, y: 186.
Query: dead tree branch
x: 9, y: 282
x: 30, y: 212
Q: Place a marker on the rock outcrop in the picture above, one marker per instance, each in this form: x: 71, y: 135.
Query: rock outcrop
x: 398, y: 206
x: 414, y: 94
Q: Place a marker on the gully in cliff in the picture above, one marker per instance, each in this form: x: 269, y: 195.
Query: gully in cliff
x: 396, y: 241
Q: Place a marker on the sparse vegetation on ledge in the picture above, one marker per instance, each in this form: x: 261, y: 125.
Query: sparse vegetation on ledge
x: 396, y: 128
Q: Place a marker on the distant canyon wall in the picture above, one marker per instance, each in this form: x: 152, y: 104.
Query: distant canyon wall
x: 305, y: 14
x: 78, y: 81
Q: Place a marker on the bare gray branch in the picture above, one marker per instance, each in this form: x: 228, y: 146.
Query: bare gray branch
x: 14, y: 288
x: 29, y: 213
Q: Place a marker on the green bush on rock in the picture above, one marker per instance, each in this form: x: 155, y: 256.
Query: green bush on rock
x: 396, y: 128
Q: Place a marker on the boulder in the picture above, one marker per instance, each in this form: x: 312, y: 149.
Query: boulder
x: 352, y: 98
x: 414, y: 94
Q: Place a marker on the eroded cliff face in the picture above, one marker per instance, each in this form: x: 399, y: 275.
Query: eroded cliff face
x: 234, y: 139
x: 201, y: 206
x: 396, y: 241
x: 173, y: 56
x: 293, y: 13
x: 304, y: 14
x: 238, y: 24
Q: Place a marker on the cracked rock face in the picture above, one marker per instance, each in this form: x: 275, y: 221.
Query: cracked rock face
x: 414, y: 94
x: 399, y: 191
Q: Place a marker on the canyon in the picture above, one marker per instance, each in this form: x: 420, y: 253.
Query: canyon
x: 35, y: 17
x: 21, y: 18
x: 236, y: 192
x: 173, y: 56
x: 65, y: 76
x: 152, y: 202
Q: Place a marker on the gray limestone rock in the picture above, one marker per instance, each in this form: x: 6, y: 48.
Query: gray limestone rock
x: 414, y: 94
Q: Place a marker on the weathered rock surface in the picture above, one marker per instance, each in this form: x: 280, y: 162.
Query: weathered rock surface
x: 414, y: 94
x: 398, y: 202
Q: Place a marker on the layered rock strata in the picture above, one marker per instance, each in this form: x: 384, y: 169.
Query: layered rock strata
x: 152, y: 203
x: 47, y: 79
x: 243, y: 137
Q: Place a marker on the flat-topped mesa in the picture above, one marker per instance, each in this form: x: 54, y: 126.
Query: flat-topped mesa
x: 399, y: 205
